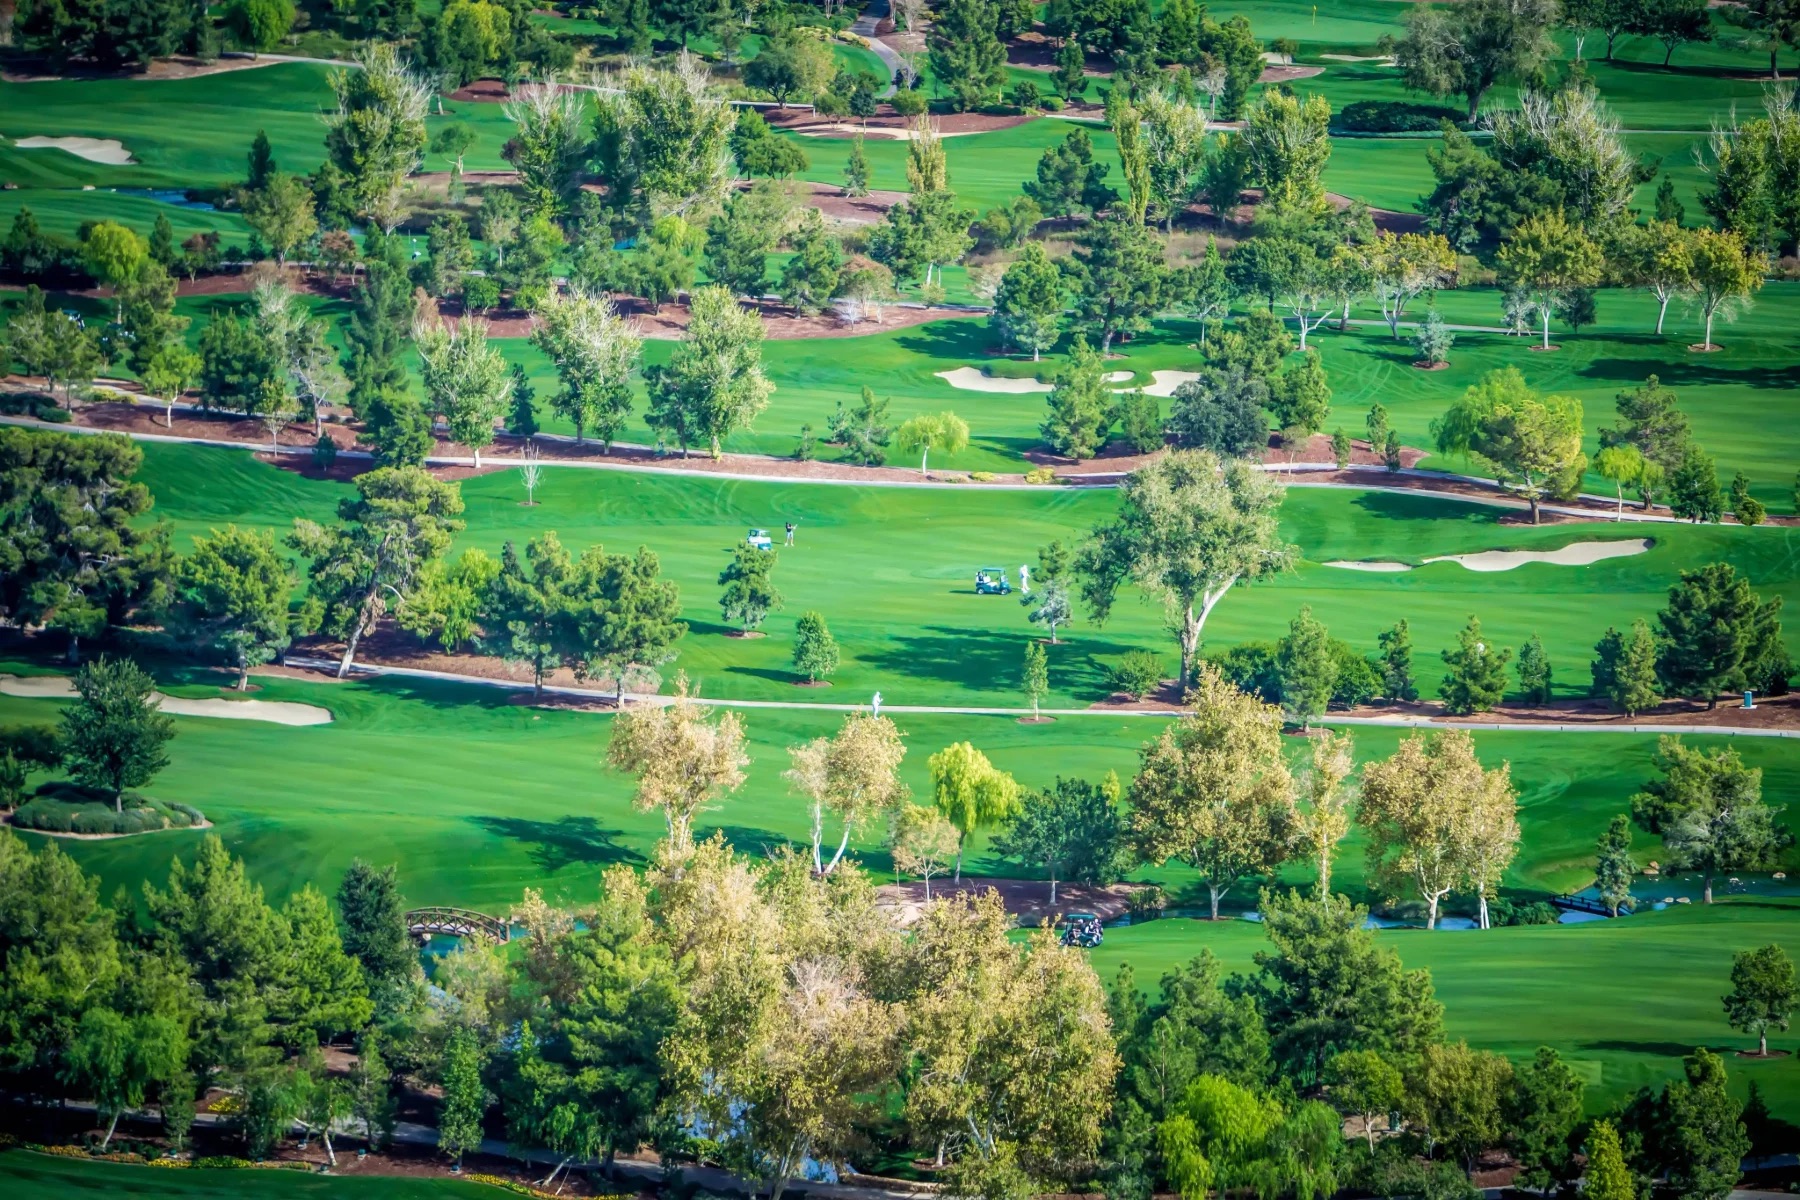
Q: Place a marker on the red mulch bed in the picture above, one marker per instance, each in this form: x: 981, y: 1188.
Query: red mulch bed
x: 1028, y: 899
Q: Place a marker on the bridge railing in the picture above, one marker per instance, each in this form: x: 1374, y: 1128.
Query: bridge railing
x: 457, y: 922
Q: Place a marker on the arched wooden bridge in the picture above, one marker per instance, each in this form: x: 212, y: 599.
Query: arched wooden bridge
x: 456, y: 922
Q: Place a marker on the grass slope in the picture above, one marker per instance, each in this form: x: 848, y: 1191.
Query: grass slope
x: 31, y: 1176
x: 1621, y: 1000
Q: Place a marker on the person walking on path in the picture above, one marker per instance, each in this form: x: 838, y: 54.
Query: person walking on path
x: 875, y: 705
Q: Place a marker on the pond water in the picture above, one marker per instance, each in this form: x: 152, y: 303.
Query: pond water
x: 173, y: 196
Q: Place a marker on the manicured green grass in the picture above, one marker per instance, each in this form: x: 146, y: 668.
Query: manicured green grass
x: 1621, y: 1000
x: 890, y: 569
x: 61, y: 211
x: 29, y: 1176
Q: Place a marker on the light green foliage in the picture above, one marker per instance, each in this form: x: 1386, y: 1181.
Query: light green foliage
x: 1534, y: 671
x: 970, y: 791
x: 465, y: 1097
x: 1709, y: 809
x: 944, y: 432
x: 713, y: 384
x: 1534, y: 440
x: 1614, y: 868
x: 466, y: 379
x: 1287, y: 143
x: 1028, y: 306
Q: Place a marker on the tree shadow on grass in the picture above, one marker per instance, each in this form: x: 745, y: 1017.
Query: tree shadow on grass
x: 1675, y: 1050
x: 1398, y: 506
x: 994, y: 660
x: 1699, y: 370
x: 756, y: 843
x: 568, y: 841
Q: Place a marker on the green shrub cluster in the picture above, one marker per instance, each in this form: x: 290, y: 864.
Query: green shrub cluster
x: 66, y: 810
x: 1384, y: 116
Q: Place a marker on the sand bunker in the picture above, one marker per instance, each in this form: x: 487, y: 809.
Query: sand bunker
x: 1575, y: 554
x: 1386, y: 60
x: 101, y: 150
x: 276, y: 712
x: 1381, y: 567
x: 973, y: 379
x: 873, y: 131
x: 1164, y: 383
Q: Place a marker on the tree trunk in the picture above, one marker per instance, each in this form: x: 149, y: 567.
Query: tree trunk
x: 477, y: 450
x: 1621, y: 515
x: 1533, y: 497
x: 1431, y: 912
x: 331, y: 1151
x: 1217, y: 893
x: 1053, y: 887
x: 1708, y: 893
x: 243, y: 684
x: 1546, y: 326
x: 1481, y: 902
x: 1707, y: 345
x: 1762, y: 1050
x: 349, y: 652
x: 114, y: 1123
x: 119, y: 807
x: 842, y: 847
x: 169, y: 415
x: 1662, y: 310
x: 957, y: 878
x: 1668, y: 54
x: 923, y: 455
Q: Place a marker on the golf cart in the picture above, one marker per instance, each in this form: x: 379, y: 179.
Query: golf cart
x: 759, y: 539
x: 1082, y: 930
x: 991, y: 581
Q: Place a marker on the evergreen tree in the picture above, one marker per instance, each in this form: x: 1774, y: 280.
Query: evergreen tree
x: 748, y: 592
x: 1029, y: 303
x: 966, y: 52
x: 465, y: 1097
x: 1625, y: 670
x: 1397, y: 682
x: 1306, y: 667
x: 1707, y: 633
x: 113, y: 735
x: 856, y: 170
x: 1534, y: 672
x: 1705, y: 1140
x: 1694, y: 487
x: 377, y: 325
x: 1476, y: 677
x: 815, y: 650
x: 1036, y: 681
x: 1300, y: 398
x: 1614, y: 868
x: 521, y: 420
x: 1608, y: 1177
x: 374, y: 918
x: 1079, y: 405
x: 1542, y: 1116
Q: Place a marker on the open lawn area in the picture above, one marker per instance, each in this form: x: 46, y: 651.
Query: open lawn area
x: 29, y: 1176
x: 1621, y: 1000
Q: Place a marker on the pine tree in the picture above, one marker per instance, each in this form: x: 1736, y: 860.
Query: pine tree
x: 1036, y: 683
x: 377, y: 325
x: 522, y: 420
x: 1608, y: 1178
x: 1306, y: 667
x: 1476, y: 679
x: 1397, y: 681
x: 1635, y: 687
x: 856, y: 171
x: 815, y: 650
x: 1614, y: 868
x: 465, y: 1099
x: 1534, y: 671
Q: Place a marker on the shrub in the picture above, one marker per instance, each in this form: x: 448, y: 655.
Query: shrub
x: 1502, y: 911
x: 480, y: 293
x: 1358, y: 680
x: 1145, y: 903
x: 1041, y: 475
x: 54, y: 415
x: 1250, y: 666
x: 1136, y: 674
x: 324, y: 453
x: 982, y: 476
x: 1050, y: 103
x: 1384, y: 116
x: 67, y: 808
x: 908, y: 103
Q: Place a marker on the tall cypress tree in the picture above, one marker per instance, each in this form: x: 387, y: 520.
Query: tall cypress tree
x: 376, y: 329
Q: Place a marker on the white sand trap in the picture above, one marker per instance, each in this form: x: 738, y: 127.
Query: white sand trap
x: 1575, y: 554
x: 873, y: 131
x: 109, y: 151
x: 276, y: 712
x: 1164, y: 383
x: 1382, y: 567
x: 971, y: 379
x: 1386, y: 60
